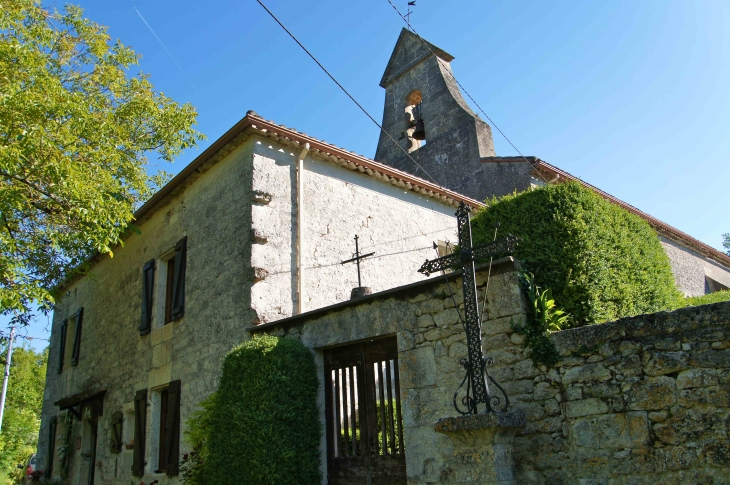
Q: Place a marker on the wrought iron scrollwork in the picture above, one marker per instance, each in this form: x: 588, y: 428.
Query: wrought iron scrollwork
x: 477, y: 378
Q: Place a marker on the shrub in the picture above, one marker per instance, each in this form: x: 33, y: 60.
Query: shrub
x: 265, y: 421
x: 707, y: 299
x: 600, y: 261
x: 197, y: 434
x: 542, y: 319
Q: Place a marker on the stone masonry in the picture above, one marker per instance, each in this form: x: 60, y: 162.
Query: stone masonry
x: 239, y: 214
x: 636, y: 401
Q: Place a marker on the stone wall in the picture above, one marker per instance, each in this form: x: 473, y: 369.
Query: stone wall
x: 213, y: 212
x: 640, y: 400
x: 238, y: 212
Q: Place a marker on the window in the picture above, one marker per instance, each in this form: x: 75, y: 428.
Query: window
x: 165, y: 428
x: 170, y: 288
x: 70, y: 346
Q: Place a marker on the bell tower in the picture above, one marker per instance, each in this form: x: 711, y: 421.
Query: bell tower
x: 427, y: 115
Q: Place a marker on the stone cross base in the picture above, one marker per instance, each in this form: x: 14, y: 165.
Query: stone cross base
x: 482, y: 448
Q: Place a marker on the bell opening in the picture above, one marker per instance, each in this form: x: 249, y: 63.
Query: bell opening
x: 420, y: 132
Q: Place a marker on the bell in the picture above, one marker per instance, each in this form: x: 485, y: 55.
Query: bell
x: 420, y: 132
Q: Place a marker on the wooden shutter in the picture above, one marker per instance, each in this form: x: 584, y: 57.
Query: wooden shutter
x: 61, y: 354
x: 51, y: 447
x: 178, y: 289
x: 172, y: 435
x: 148, y: 286
x: 115, y: 446
x: 77, y: 337
x: 140, y: 424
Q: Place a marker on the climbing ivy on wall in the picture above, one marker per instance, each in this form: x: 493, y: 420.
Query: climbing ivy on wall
x: 600, y: 261
x: 264, y: 420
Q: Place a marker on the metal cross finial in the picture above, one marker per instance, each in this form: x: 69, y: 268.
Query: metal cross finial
x: 357, y: 258
x: 477, y: 376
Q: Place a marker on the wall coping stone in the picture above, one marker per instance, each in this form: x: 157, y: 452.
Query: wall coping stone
x: 499, y: 266
x: 641, y: 326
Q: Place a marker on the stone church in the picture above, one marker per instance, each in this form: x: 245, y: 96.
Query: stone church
x: 251, y: 237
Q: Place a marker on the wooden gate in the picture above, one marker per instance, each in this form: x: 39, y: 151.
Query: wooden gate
x: 364, y: 421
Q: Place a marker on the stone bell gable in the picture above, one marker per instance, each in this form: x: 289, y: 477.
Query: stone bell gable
x: 419, y: 85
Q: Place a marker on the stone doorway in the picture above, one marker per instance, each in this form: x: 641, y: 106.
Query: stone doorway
x: 363, y: 412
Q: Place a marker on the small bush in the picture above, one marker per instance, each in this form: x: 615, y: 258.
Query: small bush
x: 542, y: 319
x: 600, y: 261
x: 197, y: 434
x: 265, y: 425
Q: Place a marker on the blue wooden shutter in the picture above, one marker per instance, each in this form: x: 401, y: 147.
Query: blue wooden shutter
x: 61, y: 354
x: 77, y: 337
x: 178, y: 288
x: 140, y: 423
x: 172, y: 437
x: 148, y: 287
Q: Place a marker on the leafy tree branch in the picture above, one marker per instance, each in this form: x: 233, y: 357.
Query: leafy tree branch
x: 77, y: 130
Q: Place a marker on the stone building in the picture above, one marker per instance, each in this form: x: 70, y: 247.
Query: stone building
x: 457, y: 152
x: 253, y: 233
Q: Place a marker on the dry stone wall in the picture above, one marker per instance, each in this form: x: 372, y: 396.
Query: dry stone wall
x: 640, y: 400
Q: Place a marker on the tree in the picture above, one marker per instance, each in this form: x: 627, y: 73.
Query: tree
x: 726, y: 242
x: 22, y: 419
x: 76, y: 127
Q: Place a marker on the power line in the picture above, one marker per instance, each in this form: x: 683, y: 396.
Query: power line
x: 260, y: 2
x: 438, y: 59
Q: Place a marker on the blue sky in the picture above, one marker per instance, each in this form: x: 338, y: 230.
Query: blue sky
x: 632, y: 97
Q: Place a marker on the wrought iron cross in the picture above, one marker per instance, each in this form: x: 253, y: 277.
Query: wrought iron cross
x: 477, y: 377
x: 358, y: 257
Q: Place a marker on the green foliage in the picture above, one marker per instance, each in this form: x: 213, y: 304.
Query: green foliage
x: 600, y: 261
x: 265, y: 422
x: 726, y: 242
x: 544, y: 319
x: 197, y: 433
x: 76, y: 129
x: 716, y: 297
x: 24, y: 400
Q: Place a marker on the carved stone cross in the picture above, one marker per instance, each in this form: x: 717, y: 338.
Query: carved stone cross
x: 477, y: 376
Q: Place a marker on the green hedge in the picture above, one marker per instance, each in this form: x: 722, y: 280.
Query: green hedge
x: 716, y: 297
x: 265, y: 425
x: 600, y: 261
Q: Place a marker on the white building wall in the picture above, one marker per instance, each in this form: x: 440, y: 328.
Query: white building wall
x: 399, y: 226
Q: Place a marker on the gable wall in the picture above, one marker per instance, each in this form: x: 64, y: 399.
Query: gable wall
x: 399, y: 226
x: 214, y: 213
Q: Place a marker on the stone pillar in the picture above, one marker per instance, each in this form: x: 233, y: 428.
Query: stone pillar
x: 482, y: 448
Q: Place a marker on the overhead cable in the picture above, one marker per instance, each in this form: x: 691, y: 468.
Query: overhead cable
x: 348, y: 94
